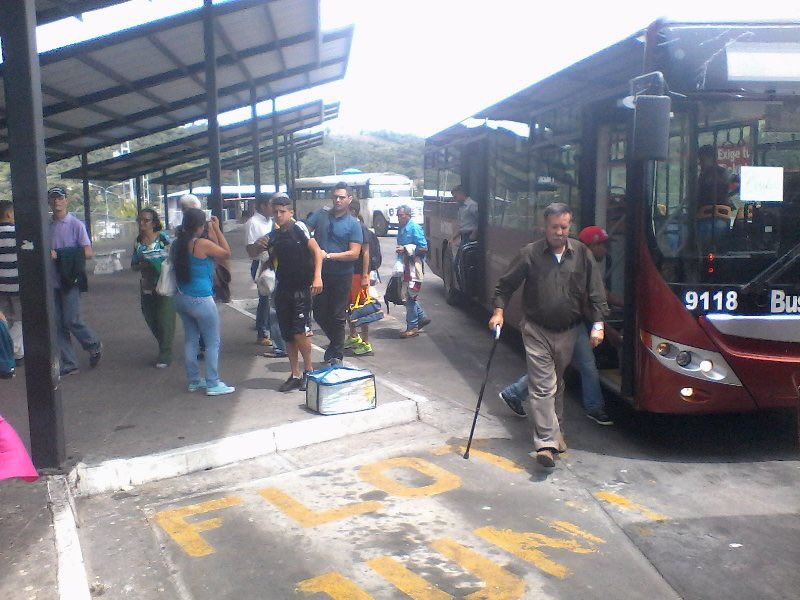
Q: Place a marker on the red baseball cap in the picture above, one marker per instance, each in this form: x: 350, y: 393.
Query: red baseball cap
x: 593, y: 234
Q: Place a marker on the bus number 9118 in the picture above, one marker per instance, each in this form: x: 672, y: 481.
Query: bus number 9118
x: 708, y: 301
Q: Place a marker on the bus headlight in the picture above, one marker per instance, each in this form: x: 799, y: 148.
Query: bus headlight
x: 689, y: 361
x: 683, y: 358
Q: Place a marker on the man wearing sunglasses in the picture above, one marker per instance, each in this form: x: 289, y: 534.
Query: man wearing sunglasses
x: 339, y: 236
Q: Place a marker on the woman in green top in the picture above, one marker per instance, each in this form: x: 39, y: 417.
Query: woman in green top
x: 149, y: 251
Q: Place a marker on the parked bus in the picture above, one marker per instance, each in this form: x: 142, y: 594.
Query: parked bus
x: 379, y: 193
x: 711, y: 287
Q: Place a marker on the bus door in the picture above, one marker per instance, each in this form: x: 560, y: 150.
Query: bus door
x: 609, y: 213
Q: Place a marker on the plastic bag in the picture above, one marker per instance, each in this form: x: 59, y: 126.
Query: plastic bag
x: 265, y: 282
x: 166, y: 286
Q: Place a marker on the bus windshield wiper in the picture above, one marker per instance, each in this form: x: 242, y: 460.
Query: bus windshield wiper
x: 775, y: 270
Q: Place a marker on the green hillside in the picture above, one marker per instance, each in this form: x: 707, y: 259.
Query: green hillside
x: 378, y: 151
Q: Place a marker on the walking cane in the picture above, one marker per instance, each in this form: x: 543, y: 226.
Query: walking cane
x: 483, y: 387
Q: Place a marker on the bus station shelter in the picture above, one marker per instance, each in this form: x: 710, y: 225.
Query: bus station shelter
x: 87, y: 96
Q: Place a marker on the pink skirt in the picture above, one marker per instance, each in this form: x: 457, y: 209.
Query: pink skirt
x: 14, y: 459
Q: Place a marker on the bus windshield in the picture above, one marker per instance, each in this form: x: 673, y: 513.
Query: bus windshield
x: 726, y: 207
x: 390, y: 191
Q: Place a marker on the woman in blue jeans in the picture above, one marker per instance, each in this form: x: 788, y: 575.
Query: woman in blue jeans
x: 193, y: 258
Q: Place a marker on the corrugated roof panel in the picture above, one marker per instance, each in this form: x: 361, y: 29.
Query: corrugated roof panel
x: 48, y: 11
x: 195, y: 146
x: 162, y: 62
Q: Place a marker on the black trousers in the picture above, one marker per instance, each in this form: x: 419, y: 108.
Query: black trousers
x: 330, y: 311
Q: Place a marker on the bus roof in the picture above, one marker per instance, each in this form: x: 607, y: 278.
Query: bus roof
x: 351, y: 179
x: 607, y: 73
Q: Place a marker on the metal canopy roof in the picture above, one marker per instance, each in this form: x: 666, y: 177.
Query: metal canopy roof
x: 151, y: 78
x: 195, y: 146
x: 53, y: 10
x: 606, y: 73
x: 245, y: 159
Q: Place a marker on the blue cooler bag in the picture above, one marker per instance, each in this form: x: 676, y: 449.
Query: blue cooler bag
x: 337, y: 390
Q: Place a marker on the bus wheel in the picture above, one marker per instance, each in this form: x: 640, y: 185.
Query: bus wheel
x: 451, y: 294
x: 380, y: 225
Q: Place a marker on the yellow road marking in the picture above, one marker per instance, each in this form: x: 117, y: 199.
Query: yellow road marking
x: 493, y: 459
x: 306, y: 517
x: 572, y: 529
x: 406, y: 581
x: 526, y: 546
x: 337, y: 586
x: 187, y: 535
x: 625, y: 503
x: 500, y: 584
x: 444, y: 481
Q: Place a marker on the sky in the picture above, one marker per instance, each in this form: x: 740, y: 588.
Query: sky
x: 420, y: 66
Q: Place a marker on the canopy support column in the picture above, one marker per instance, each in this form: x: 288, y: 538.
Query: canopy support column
x: 256, y: 147
x: 214, y: 171
x: 275, y: 162
x: 23, y: 90
x: 87, y: 205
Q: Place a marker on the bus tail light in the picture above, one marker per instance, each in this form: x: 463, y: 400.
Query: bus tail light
x: 690, y: 361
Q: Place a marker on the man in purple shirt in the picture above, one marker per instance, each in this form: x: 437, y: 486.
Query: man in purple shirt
x: 70, y: 247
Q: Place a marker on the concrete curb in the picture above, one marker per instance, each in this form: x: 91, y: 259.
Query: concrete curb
x: 72, y: 581
x: 123, y: 473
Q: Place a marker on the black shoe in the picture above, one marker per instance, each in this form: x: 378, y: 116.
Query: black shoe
x: 423, y: 322
x: 513, y: 404
x: 293, y: 383
x: 95, y: 356
x: 7, y: 374
x: 600, y: 417
x: 66, y: 372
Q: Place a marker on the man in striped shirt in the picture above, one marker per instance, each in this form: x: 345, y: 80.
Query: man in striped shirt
x: 9, y: 276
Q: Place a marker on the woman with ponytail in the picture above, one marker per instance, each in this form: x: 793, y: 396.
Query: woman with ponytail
x: 193, y: 258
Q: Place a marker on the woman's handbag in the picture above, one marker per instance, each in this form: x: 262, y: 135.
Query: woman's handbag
x: 365, y: 309
x: 222, y: 283
x: 166, y: 286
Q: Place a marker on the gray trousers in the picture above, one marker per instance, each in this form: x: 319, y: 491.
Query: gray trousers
x: 548, y: 353
x: 70, y: 322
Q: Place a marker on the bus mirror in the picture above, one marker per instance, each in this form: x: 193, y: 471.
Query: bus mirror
x: 651, y: 127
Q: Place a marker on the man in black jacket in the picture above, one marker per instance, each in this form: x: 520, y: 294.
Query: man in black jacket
x: 562, y: 282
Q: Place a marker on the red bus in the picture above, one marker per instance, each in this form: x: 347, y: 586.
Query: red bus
x: 711, y: 318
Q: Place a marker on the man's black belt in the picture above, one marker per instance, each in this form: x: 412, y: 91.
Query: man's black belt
x: 559, y: 329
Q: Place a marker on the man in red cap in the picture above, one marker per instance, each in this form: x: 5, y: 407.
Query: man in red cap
x: 596, y: 238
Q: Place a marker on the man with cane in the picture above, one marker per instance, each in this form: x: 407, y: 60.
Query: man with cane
x: 563, y: 286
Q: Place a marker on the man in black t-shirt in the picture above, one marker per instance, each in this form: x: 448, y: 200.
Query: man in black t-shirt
x: 298, y: 274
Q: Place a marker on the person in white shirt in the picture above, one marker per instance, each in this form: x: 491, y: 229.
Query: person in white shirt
x: 257, y: 228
